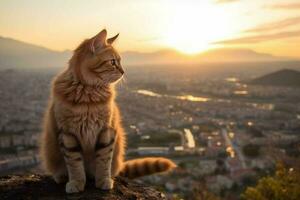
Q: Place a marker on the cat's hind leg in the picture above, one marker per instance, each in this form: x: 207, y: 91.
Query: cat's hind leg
x: 60, y: 175
x: 52, y: 157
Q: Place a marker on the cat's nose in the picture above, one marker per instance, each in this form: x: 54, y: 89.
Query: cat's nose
x: 121, y: 70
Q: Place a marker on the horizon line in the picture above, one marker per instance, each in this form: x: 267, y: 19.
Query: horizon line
x: 155, y: 51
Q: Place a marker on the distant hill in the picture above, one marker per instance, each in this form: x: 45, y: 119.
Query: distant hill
x: 285, y: 77
x: 14, y: 53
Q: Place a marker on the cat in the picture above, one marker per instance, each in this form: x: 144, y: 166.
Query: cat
x: 82, y: 133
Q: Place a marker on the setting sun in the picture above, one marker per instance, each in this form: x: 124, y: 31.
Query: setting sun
x: 193, y: 27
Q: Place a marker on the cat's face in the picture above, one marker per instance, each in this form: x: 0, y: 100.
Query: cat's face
x: 98, y: 62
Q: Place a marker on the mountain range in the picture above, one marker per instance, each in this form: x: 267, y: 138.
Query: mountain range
x: 215, y: 55
x: 14, y: 53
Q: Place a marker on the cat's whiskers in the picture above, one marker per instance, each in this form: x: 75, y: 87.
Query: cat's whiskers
x: 123, y: 81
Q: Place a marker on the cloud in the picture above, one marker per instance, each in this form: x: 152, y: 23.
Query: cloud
x: 275, y: 25
x: 260, y: 38
x: 225, y: 1
x: 287, y: 6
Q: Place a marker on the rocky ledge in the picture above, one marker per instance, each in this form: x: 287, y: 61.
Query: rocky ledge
x: 43, y: 187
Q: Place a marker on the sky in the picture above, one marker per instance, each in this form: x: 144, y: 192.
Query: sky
x: 189, y: 26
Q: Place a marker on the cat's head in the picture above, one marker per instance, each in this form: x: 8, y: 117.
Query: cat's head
x: 95, y: 61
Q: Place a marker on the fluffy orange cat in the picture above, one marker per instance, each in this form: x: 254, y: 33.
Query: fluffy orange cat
x: 83, y: 135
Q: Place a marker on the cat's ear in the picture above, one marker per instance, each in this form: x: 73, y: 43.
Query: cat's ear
x: 98, y: 40
x: 112, y: 39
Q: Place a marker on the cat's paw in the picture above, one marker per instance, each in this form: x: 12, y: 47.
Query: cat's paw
x: 60, y: 178
x: 105, y: 184
x: 74, y: 186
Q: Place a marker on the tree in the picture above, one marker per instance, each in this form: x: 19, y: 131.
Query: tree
x: 284, y: 185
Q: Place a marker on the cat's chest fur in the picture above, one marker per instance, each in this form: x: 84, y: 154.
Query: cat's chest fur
x: 84, y: 122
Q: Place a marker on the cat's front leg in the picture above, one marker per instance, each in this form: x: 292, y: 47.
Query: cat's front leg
x: 71, y: 150
x: 104, y: 151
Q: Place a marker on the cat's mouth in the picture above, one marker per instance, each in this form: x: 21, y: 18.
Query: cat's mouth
x: 114, y: 79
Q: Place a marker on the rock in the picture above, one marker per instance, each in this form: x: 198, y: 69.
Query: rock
x: 17, y: 187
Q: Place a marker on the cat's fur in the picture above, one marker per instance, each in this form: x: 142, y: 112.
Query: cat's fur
x: 83, y: 135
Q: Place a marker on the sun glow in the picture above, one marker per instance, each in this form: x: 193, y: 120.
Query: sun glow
x: 193, y: 27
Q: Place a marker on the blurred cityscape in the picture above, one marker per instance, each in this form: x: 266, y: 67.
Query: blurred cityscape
x: 223, y: 132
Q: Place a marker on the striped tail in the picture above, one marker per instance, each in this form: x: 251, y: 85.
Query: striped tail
x: 146, y: 166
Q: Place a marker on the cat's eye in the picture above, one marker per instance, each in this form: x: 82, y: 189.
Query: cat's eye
x: 113, y: 62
